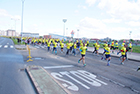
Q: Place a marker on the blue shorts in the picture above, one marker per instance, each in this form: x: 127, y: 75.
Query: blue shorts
x: 78, y: 47
x: 107, y: 56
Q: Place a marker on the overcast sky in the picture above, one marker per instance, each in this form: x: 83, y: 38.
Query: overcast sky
x: 93, y: 18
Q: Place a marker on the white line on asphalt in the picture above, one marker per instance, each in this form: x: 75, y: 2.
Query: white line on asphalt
x: 5, y: 46
x: 11, y: 46
x: 0, y: 46
x: 52, y: 67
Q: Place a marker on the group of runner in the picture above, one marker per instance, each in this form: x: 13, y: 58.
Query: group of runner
x: 81, y: 47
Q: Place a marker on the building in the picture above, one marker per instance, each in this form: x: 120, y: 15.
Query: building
x: 10, y: 32
x: 47, y: 36
x: 36, y: 35
x: 57, y: 36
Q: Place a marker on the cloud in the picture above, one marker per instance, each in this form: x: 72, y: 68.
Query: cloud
x: 3, y: 12
x: 95, y: 28
x: 112, y: 20
x: 90, y: 2
x: 81, y: 6
x: 123, y: 9
x: 76, y: 11
x: 133, y: 23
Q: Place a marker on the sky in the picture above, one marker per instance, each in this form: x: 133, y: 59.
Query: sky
x: 93, y: 18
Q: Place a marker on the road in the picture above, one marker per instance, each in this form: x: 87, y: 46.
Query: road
x: 95, y: 78
x: 12, y: 80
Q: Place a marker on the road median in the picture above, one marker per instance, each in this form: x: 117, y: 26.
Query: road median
x: 44, y: 83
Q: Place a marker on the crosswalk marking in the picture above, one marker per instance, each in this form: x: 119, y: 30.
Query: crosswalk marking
x: 5, y: 46
x: 11, y: 46
x: 64, y: 66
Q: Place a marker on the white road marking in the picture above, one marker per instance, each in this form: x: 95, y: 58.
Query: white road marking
x: 5, y: 46
x: 7, y: 43
x: 54, y: 67
x: 42, y: 47
x: 0, y: 46
x: 11, y: 46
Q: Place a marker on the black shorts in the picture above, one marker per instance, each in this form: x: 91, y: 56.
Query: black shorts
x: 116, y: 48
x: 107, y: 55
x: 82, y: 55
x: 87, y: 45
x: 130, y: 48
x: 112, y: 47
x: 61, y: 48
x: 123, y: 56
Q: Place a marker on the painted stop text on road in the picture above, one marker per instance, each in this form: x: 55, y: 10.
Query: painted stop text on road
x: 85, y: 76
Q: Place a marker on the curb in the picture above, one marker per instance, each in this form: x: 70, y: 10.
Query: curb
x: 118, y: 57
x: 35, y: 84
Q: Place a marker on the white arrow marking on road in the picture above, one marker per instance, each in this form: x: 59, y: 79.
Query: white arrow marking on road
x: 11, y: 46
x: 5, y: 46
x: 52, y: 67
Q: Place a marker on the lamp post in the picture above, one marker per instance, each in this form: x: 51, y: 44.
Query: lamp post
x: 77, y: 33
x: 22, y: 18
x: 64, y: 20
x: 130, y: 34
x: 15, y: 24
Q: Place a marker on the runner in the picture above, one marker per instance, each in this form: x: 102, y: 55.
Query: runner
x: 123, y: 52
x: 104, y: 45
x: 49, y: 44
x: 130, y: 47
x: 83, y: 50
x: 62, y: 46
x: 87, y: 43
x: 95, y: 47
x: 107, y: 55
x: 54, y: 47
x: 112, y: 47
x: 68, y: 48
x: 74, y: 49
x: 116, y: 46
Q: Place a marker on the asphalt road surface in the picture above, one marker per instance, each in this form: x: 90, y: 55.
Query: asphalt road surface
x: 95, y: 78
x: 12, y: 80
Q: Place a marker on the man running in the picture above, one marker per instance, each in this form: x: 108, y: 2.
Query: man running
x: 62, y: 46
x: 123, y: 52
x: 68, y: 48
x: 112, y: 46
x: 95, y: 47
x: 83, y: 50
x: 107, y: 54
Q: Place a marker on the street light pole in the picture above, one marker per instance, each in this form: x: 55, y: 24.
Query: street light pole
x: 130, y: 34
x: 22, y: 17
x: 64, y: 20
x: 77, y: 33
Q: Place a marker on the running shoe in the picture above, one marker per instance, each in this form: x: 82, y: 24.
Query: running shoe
x: 102, y: 58
x: 122, y: 63
x: 108, y: 64
x: 78, y: 61
x: 138, y: 69
x: 84, y: 65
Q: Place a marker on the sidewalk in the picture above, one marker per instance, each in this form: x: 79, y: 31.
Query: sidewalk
x: 132, y: 56
x: 44, y: 82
